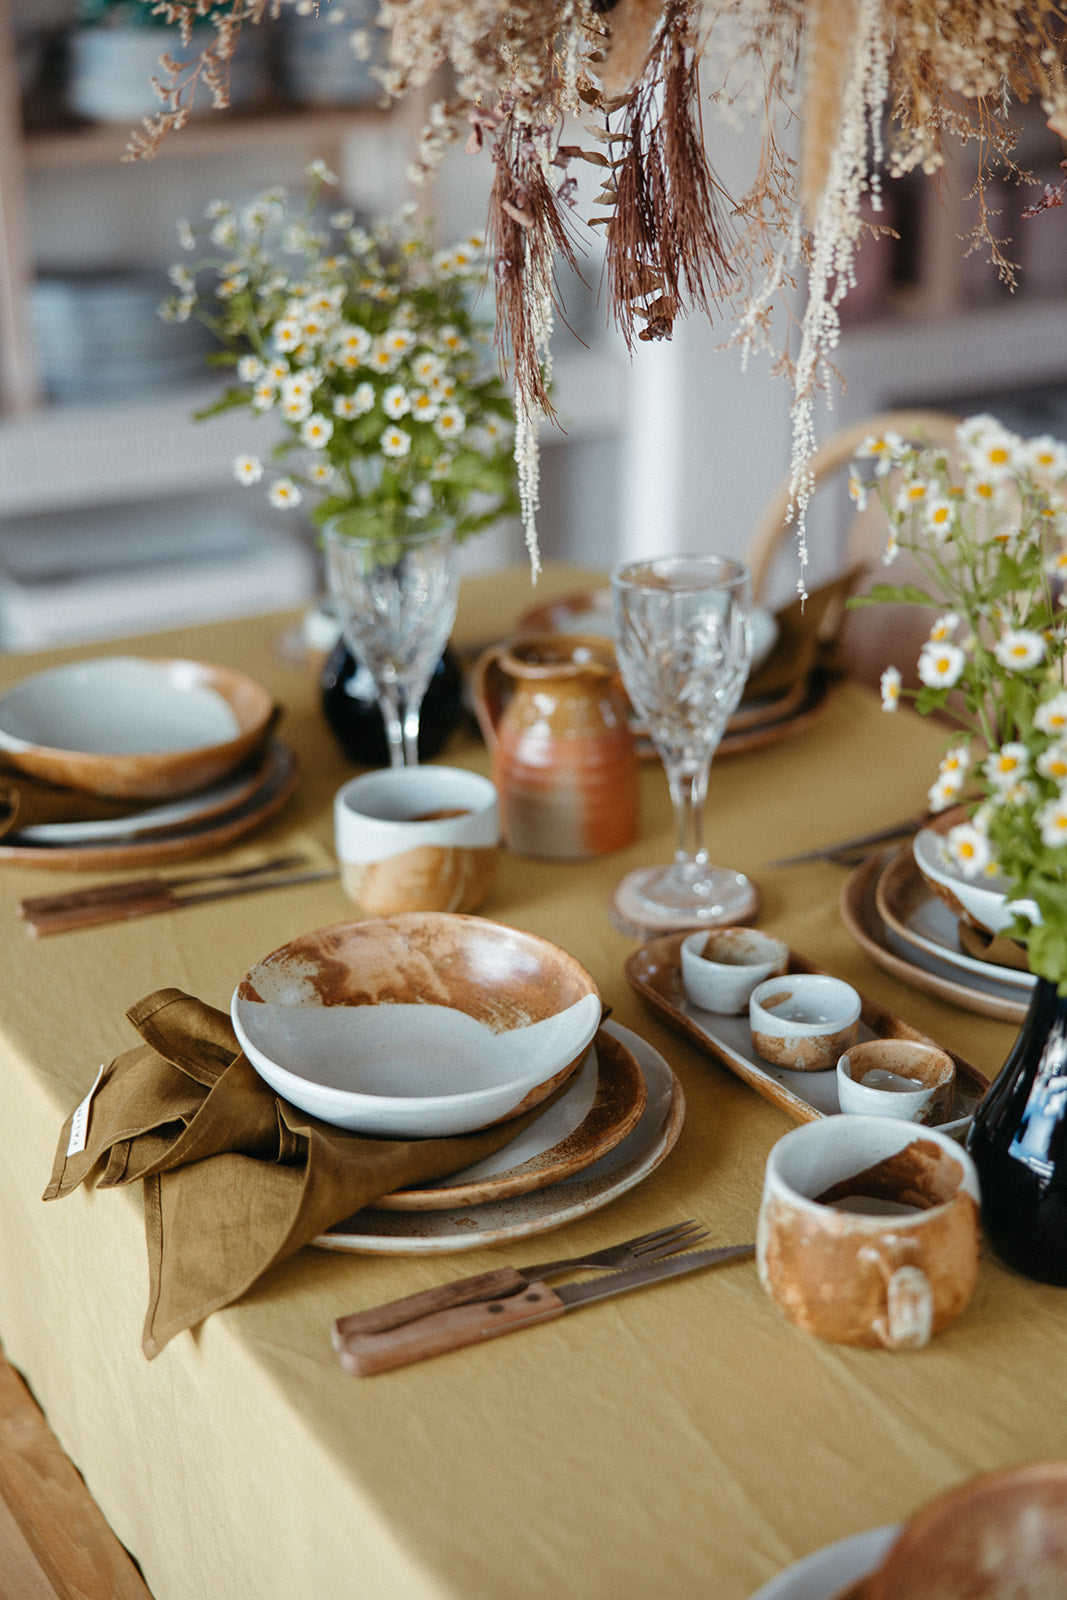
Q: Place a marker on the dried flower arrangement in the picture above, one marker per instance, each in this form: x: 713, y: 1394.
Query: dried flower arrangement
x: 876, y: 85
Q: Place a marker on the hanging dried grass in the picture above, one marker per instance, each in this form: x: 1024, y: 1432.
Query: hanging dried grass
x: 831, y: 38
x: 667, y: 245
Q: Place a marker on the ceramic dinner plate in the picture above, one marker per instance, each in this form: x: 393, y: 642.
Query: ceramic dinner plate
x: 372, y: 1232
x: 655, y: 972
x: 918, y: 919
x: 161, y: 817
x: 178, y: 843
x: 988, y: 996
x: 826, y: 1572
x: 600, y: 1106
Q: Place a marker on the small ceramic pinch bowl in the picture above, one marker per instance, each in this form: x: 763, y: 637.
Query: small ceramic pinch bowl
x: 420, y: 1025
x: 720, y: 969
x: 135, y: 727
x: 897, y: 1078
x: 804, y: 1021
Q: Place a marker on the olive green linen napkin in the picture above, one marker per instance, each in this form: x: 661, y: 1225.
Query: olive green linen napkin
x: 235, y: 1178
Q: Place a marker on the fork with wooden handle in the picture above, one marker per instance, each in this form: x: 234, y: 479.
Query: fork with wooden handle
x: 505, y: 1281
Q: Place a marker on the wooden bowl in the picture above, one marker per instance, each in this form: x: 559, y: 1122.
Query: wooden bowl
x: 134, y: 727
x: 420, y: 1025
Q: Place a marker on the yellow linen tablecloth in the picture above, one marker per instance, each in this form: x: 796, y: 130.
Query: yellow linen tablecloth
x: 680, y: 1443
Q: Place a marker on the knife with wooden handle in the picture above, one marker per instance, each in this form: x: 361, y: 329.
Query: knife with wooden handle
x: 364, y: 1354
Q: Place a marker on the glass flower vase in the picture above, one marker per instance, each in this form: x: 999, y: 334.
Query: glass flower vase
x: 1018, y: 1141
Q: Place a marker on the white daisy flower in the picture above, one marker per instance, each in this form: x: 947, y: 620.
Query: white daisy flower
x: 398, y: 341
x: 452, y: 340
x: 295, y: 409
x: 181, y: 277
x: 186, y: 236
x: 423, y: 405
x: 884, y: 450
x: 263, y: 395
x: 1052, y: 763
x: 249, y: 368
x: 364, y: 396
x: 956, y: 762
x: 913, y: 495
x: 284, y: 494
x: 426, y: 366
x: 286, y: 334
x: 224, y: 234
x: 1047, y: 458
x: 395, y: 401
x: 942, y: 794
x: 321, y: 473
x: 317, y: 431
x: 890, y: 684
x: 857, y: 491
x: 449, y: 422
x: 945, y: 626
x: 226, y: 288
x: 1051, y: 716
x: 248, y: 469
x: 968, y: 848
x: 381, y: 358
x: 395, y: 442
x: 940, y: 664
x: 319, y: 169
x: 1019, y: 649
x: 937, y: 516
x: 1051, y: 818
x: 1007, y: 765
x: 892, y: 548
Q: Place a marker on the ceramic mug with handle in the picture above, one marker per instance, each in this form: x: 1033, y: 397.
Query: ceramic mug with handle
x: 868, y: 1230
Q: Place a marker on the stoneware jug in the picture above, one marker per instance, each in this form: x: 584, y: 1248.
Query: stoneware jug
x: 554, y: 714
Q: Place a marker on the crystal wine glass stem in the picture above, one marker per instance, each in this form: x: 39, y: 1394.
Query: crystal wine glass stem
x: 688, y: 786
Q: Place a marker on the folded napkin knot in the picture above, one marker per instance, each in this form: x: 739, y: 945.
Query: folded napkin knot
x: 235, y: 1178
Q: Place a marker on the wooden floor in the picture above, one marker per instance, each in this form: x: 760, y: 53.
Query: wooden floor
x: 54, y: 1542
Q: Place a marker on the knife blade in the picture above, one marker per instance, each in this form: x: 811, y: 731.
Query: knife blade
x: 364, y: 1354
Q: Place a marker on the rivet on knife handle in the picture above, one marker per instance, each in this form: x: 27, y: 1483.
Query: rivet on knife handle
x: 364, y: 1354
x: 379, y: 1319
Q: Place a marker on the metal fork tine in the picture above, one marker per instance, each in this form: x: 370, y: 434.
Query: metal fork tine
x: 644, y: 1240
x: 667, y: 1247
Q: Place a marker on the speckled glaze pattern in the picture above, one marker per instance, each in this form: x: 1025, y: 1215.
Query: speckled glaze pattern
x: 556, y: 720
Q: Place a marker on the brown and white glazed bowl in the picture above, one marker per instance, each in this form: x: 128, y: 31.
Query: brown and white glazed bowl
x: 804, y: 1021
x: 902, y: 1078
x: 868, y: 1230
x: 135, y: 727
x: 416, y: 1026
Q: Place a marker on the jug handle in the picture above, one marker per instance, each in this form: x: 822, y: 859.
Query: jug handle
x: 489, y: 692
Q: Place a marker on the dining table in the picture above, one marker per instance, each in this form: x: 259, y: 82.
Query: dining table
x: 682, y: 1442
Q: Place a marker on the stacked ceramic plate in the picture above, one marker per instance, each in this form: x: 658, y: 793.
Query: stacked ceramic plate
x: 436, y: 1025
x: 906, y: 925
x: 100, y: 335
x: 138, y: 759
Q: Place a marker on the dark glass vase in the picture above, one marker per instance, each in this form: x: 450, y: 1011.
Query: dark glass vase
x: 350, y: 706
x: 1018, y: 1141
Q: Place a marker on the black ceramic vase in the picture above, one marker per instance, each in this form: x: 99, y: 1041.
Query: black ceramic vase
x: 350, y: 706
x: 1018, y: 1141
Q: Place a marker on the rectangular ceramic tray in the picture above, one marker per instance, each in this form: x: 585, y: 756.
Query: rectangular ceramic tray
x: 655, y: 972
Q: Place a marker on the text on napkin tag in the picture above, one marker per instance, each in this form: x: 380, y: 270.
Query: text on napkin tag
x: 79, y: 1122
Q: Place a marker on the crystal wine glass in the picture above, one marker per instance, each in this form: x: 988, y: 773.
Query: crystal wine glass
x: 397, y: 601
x: 683, y: 637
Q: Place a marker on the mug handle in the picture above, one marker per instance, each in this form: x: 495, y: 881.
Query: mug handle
x: 909, y: 1318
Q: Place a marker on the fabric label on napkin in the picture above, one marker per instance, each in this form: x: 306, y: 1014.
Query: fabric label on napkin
x: 79, y: 1122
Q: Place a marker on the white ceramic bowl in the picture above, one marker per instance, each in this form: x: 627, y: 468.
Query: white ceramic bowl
x: 982, y: 900
x: 416, y: 1026
x: 720, y: 969
x: 133, y: 726
x: 804, y: 1021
